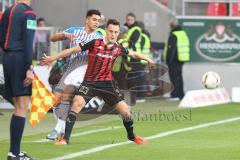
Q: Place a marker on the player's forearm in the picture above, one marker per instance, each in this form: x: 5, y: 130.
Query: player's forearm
x: 57, y: 37
x: 64, y: 53
x: 140, y: 56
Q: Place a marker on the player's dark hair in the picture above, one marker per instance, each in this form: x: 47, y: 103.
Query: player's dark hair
x: 131, y: 15
x: 113, y: 22
x: 93, y: 12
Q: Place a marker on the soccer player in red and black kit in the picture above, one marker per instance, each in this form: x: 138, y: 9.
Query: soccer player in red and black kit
x: 98, y: 80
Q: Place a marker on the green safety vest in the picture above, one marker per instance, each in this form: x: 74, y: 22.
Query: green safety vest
x: 119, y: 60
x: 146, y: 47
x: 182, y: 46
x: 138, y: 43
x: 124, y: 43
x: 117, y: 65
x: 101, y: 31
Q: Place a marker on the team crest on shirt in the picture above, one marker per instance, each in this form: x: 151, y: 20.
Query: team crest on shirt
x: 105, y: 56
x: 116, y: 50
x: 99, y: 47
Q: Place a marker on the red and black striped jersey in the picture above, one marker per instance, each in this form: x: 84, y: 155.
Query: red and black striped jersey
x: 101, y: 58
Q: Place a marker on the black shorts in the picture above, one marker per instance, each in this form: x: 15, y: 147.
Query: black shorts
x: 14, y: 74
x: 107, y: 90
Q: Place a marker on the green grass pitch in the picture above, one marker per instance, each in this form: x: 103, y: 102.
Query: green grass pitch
x: 215, y: 142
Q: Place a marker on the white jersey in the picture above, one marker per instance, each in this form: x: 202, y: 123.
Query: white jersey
x: 80, y: 37
x: 76, y: 67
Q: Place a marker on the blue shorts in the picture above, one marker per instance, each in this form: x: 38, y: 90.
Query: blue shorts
x: 14, y: 74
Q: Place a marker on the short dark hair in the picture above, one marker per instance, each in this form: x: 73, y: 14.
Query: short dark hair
x: 131, y: 15
x: 93, y: 12
x: 40, y: 20
x: 113, y: 22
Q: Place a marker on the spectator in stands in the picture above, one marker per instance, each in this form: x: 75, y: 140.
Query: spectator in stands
x: 41, y: 22
x: 145, y: 40
x: 41, y: 40
x: 134, y: 32
x: 176, y: 53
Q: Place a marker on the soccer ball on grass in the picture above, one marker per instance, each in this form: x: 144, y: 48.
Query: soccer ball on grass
x: 211, y: 80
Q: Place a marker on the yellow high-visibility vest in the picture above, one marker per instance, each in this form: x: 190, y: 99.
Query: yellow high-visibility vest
x: 146, y: 47
x: 124, y: 43
x: 101, y: 31
x: 138, y: 43
x: 182, y: 46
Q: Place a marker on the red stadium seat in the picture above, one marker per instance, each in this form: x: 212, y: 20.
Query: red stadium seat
x: 1, y: 15
x: 217, y: 9
x: 236, y: 9
x: 164, y: 2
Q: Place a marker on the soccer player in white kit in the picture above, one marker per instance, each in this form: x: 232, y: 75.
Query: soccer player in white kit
x: 75, y: 69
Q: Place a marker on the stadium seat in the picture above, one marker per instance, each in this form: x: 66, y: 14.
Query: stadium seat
x: 236, y: 9
x: 217, y: 9
x: 164, y: 2
x: 1, y: 15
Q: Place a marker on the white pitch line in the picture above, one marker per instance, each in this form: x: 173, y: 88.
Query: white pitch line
x: 84, y: 133
x: 160, y: 135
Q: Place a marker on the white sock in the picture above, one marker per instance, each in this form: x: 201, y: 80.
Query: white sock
x: 60, y: 125
x: 63, y: 127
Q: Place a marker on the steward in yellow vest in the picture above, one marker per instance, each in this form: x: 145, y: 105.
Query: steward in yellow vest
x: 177, y: 47
x: 146, y: 46
x: 177, y: 51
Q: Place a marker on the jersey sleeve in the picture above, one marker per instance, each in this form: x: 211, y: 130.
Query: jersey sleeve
x: 69, y: 30
x: 87, y: 46
x: 124, y: 51
x: 28, y: 36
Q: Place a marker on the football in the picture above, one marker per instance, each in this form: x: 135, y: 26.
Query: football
x: 211, y: 80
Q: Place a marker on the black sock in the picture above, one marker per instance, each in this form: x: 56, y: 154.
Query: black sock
x: 71, y: 119
x: 16, y: 131
x: 128, y: 124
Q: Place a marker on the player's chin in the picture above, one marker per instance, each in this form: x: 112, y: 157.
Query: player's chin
x: 112, y: 41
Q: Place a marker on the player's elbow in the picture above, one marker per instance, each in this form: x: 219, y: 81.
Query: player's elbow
x: 76, y: 49
x: 57, y: 37
x: 52, y: 39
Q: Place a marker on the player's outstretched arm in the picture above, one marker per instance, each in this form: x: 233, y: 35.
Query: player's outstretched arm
x: 46, y: 60
x: 61, y: 36
x: 140, y: 56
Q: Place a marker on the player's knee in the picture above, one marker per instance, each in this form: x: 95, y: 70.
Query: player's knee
x: 78, y: 103
x: 79, y: 100
x: 68, y: 93
x: 123, y: 109
x: 126, y: 116
x: 58, y: 96
x: 65, y: 97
